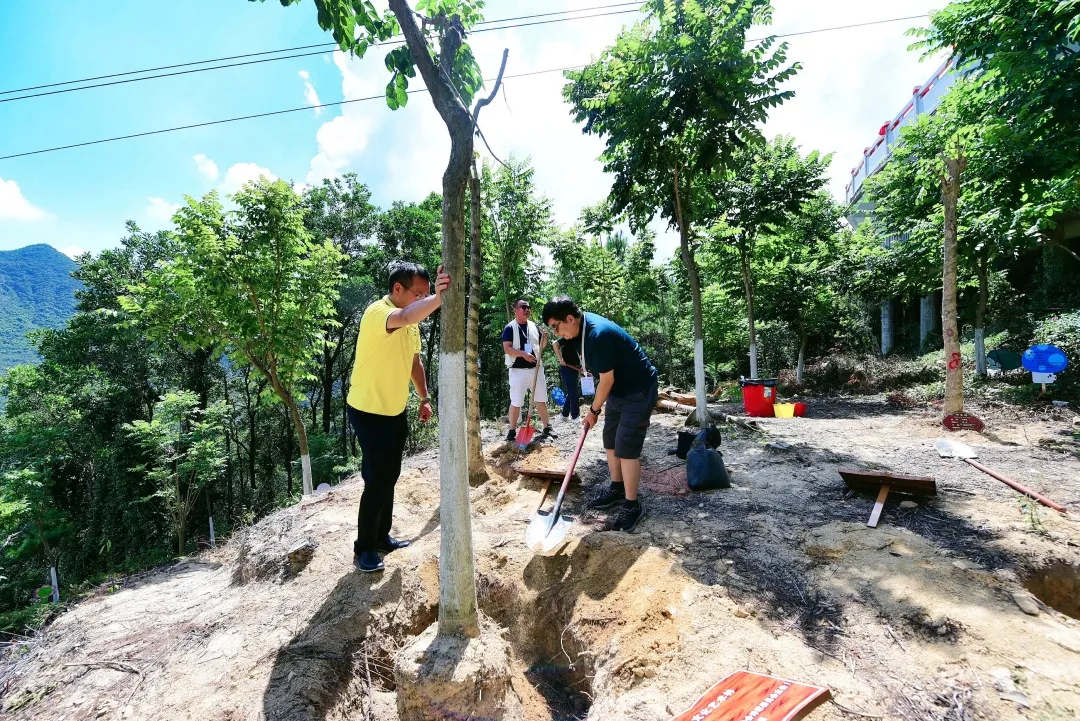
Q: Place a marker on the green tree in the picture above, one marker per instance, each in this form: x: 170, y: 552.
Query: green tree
x: 438, y: 49
x: 1025, y: 54
x: 185, y: 451
x: 340, y: 211
x: 252, y: 282
x: 518, y: 220
x: 674, y: 97
x: 761, y: 191
x: 793, y: 268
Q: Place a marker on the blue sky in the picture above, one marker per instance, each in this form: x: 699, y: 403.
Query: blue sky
x: 79, y: 199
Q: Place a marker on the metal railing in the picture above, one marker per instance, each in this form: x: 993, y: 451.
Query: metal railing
x: 924, y: 99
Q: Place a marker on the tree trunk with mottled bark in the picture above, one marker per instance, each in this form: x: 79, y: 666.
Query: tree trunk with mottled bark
x: 457, y: 581
x: 700, y: 393
x: 954, y: 367
x: 477, y: 469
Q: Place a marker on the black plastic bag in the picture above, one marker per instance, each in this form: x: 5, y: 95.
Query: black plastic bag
x: 686, y: 440
x: 705, y: 466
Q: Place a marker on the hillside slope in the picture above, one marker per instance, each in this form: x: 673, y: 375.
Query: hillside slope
x: 920, y: 618
x: 36, y: 291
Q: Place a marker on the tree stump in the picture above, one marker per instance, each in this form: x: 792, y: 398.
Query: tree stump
x: 456, y: 677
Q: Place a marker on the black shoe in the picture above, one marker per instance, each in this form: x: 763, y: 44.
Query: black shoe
x: 511, y: 435
x: 368, y: 562
x: 628, y: 517
x: 391, y: 544
x: 611, y: 495
x: 548, y: 433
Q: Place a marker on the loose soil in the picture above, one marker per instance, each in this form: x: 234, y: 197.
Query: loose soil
x: 960, y: 606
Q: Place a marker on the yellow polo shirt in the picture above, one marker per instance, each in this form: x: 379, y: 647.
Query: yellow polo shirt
x: 384, y: 361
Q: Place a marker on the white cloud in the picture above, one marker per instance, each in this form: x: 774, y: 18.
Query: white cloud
x: 310, y: 96
x: 15, y: 206
x: 341, y: 140
x: 72, y: 251
x: 207, y: 167
x: 240, y: 174
x: 160, y: 210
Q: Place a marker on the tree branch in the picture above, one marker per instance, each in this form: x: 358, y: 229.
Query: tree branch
x: 494, y: 91
x: 442, y: 91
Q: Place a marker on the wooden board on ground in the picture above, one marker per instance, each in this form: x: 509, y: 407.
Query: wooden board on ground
x: 873, y: 480
x: 545, y: 473
x: 746, y: 695
x: 882, y: 482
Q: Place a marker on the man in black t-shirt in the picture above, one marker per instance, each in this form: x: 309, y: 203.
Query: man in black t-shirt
x: 626, y: 392
x: 522, y: 344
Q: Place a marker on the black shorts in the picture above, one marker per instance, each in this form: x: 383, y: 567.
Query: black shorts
x: 626, y: 419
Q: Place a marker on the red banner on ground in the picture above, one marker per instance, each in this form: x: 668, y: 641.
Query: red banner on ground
x: 745, y: 696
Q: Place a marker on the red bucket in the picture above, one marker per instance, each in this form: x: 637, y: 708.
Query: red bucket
x: 800, y: 410
x: 758, y: 396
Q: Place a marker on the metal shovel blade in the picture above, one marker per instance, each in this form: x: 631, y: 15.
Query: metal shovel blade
x: 542, y: 535
x: 954, y: 449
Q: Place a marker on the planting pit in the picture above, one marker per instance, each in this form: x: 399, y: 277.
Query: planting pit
x: 1057, y: 584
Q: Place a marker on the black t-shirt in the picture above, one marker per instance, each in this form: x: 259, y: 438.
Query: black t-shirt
x: 508, y: 335
x: 610, y: 348
x: 569, y: 353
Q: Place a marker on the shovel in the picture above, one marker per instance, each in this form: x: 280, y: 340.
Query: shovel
x: 547, y: 530
x: 525, y: 433
x: 955, y: 449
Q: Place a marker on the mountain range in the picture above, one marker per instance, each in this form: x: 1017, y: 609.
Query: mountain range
x: 36, y: 291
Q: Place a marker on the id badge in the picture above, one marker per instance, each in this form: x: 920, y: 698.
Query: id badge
x: 528, y: 348
x: 588, y: 386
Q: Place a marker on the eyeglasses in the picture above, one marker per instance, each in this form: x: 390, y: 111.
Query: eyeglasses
x: 525, y: 308
x: 554, y: 324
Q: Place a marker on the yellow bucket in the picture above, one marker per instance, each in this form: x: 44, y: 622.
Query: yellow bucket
x: 784, y: 410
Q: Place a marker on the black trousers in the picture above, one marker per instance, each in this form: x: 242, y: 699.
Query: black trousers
x: 382, y: 442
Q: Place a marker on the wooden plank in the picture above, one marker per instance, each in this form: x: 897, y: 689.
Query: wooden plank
x: 743, y: 693
x: 879, y: 506
x: 543, y: 496
x: 545, y: 473
x: 872, y: 480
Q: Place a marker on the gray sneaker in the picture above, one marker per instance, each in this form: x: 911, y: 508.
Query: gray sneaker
x: 608, y: 497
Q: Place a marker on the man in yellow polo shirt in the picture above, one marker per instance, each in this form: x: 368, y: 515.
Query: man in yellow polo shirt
x: 387, y: 357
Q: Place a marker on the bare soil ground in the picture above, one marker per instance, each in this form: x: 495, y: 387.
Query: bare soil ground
x: 961, y: 606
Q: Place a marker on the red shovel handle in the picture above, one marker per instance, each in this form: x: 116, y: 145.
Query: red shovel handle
x: 569, y: 472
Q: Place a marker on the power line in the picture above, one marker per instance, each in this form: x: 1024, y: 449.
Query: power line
x: 375, y: 97
x: 328, y: 46
x: 481, y: 27
x: 252, y: 117
x: 842, y: 27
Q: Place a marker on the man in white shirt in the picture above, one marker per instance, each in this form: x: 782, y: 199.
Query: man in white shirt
x: 522, y: 343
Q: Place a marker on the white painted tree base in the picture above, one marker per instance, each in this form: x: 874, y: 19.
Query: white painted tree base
x: 305, y: 465
x: 457, y: 583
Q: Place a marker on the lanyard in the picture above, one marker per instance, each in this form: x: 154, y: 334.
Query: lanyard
x: 584, y: 366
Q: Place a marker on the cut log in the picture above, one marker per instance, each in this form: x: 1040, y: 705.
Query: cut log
x: 683, y: 398
x: 748, y: 424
